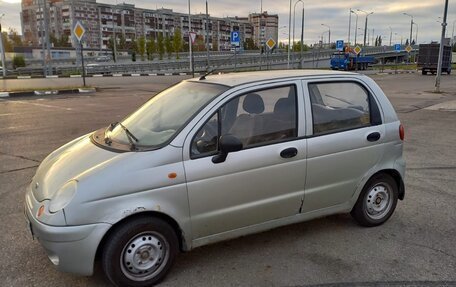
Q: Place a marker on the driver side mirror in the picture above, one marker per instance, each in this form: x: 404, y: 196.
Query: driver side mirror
x: 228, y: 143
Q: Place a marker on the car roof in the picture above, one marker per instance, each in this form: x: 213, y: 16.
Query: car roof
x: 235, y: 79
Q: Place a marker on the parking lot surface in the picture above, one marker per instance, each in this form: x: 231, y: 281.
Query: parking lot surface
x: 415, y: 247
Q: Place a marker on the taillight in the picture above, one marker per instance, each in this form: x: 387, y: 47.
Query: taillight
x: 401, y: 132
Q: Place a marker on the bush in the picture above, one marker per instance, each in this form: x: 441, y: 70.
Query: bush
x: 18, y: 61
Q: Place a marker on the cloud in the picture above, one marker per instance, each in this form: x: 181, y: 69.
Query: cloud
x: 335, y: 13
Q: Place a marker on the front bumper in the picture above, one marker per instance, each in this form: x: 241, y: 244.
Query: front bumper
x: 71, y: 248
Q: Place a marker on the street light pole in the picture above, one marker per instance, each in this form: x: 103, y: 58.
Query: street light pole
x: 365, y: 24
x: 329, y: 34
x: 302, y: 37
x: 2, y: 47
x: 442, y: 39
x: 349, y: 26
x: 114, y: 40
x: 391, y: 35
x: 411, y: 27
x: 416, y: 33
x: 452, y: 34
x: 289, y: 37
x: 190, y: 39
x: 356, y: 26
x: 294, y: 19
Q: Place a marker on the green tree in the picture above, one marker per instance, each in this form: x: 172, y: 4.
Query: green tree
x: 142, y: 47
x: 177, y: 42
x: 18, y: 61
x: 214, y: 44
x: 249, y: 44
x: 122, y: 43
x: 169, y: 46
x: 64, y: 41
x: 160, y: 46
x: 7, y: 43
x: 15, y: 38
x: 150, y: 49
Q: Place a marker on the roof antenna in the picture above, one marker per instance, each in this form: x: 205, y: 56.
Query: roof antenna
x: 203, y: 77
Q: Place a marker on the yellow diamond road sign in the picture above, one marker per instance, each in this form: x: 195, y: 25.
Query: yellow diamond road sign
x: 409, y: 49
x: 270, y: 43
x: 79, y: 31
x: 357, y: 50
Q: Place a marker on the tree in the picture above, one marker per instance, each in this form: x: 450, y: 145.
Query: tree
x: 7, y: 43
x: 122, y: 43
x: 142, y: 47
x: 297, y: 47
x: 160, y: 46
x: 249, y: 44
x: 150, y: 49
x: 215, y: 46
x: 15, y: 38
x: 18, y: 61
x: 169, y: 46
x: 177, y: 42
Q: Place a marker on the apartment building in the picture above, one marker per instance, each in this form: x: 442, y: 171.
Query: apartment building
x: 103, y: 20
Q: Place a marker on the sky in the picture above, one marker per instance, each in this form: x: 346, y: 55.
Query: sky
x: 335, y: 13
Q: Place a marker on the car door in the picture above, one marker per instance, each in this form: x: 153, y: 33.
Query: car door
x: 263, y: 181
x: 346, y: 141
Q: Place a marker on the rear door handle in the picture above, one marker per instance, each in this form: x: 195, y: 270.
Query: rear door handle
x: 289, y: 152
x: 373, y: 137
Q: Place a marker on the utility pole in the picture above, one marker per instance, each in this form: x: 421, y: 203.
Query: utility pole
x: 365, y: 24
x: 442, y: 39
x: 356, y: 26
x: 411, y: 27
x: 289, y: 38
x: 114, y: 37
x: 190, y: 52
x: 207, y: 36
x: 329, y: 34
x: 302, y: 37
x: 349, y: 25
x: 391, y: 35
x: 2, y: 47
x: 48, y: 43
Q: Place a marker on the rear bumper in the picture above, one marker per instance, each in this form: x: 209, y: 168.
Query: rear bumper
x: 70, y: 248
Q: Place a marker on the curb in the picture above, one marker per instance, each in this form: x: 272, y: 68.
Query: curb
x: 100, y: 75
x: 396, y: 73
x: 44, y: 93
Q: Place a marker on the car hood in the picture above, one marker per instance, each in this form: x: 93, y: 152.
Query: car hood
x: 66, y: 163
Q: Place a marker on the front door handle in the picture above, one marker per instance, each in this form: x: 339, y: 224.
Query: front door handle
x: 373, y: 137
x: 289, y: 152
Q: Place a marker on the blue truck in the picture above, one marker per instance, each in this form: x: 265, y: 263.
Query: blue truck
x: 348, y: 60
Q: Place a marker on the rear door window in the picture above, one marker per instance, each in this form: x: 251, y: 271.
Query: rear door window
x: 338, y: 106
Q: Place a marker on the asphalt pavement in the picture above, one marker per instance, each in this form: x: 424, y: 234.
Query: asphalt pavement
x: 416, y: 247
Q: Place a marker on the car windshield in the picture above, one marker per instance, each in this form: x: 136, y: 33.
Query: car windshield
x: 164, y: 115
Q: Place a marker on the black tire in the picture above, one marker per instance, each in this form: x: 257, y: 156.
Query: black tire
x: 156, y: 248
x: 423, y: 72
x: 371, y: 198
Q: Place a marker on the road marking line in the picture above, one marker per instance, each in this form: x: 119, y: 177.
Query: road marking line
x: 44, y: 105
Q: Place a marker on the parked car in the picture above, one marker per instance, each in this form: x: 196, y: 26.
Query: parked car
x: 216, y: 158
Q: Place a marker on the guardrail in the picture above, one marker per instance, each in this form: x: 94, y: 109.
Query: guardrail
x: 220, y: 60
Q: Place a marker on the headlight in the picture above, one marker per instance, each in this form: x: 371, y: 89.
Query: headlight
x: 63, y: 196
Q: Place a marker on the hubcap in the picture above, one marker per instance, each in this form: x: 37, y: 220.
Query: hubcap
x: 378, y: 201
x: 144, y: 256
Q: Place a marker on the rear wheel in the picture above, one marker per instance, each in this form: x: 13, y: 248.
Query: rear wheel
x: 377, y: 201
x: 423, y: 72
x: 140, y: 252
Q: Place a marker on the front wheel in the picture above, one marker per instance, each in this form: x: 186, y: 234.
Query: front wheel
x: 377, y: 201
x: 139, y: 252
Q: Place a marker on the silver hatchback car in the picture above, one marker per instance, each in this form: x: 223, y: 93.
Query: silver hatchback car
x: 215, y: 158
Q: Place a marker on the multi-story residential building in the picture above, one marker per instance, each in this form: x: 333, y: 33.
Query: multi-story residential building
x: 265, y: 26
x: 128, y: 22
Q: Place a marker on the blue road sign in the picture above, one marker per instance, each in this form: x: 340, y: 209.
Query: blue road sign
x: 397, y: 47
x: 235, y: 38
x: 340, y: 45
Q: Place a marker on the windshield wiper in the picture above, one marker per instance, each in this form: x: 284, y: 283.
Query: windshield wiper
x: 130, y: 136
